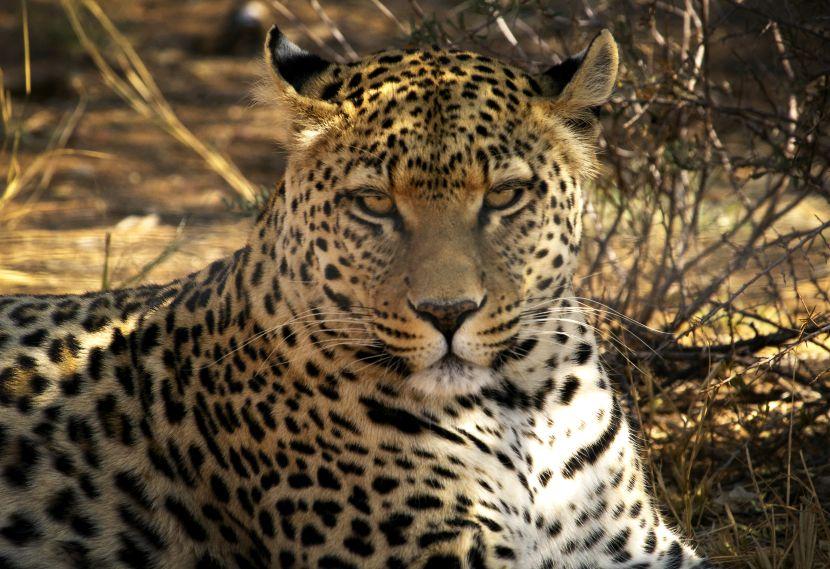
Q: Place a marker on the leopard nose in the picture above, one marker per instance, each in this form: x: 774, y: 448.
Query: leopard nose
x: 446, y: 316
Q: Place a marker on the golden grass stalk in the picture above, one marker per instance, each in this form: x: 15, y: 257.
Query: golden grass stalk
x: 6, y: 117
x: 27, y: 60
x: 40, y: 166
x: 806, y: 539
x: 134, y: 83
x: 17, y: 177
x: 105, y: 273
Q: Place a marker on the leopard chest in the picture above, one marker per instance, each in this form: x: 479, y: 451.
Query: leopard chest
x: 486, y: 484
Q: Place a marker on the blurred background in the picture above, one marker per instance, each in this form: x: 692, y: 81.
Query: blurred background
x: 130, y: 152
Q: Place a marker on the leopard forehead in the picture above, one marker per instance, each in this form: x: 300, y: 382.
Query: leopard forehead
x: 444, y: 77
x: 439, y: 122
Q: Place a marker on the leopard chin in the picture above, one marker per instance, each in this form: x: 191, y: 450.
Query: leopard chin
x: 451, y: 376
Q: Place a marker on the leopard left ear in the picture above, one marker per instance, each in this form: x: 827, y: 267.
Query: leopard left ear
x: 292, y: 71
x: 582, y: 83
x: 292, y: 66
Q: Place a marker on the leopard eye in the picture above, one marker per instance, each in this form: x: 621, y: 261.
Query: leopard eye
x: 502, y: 197
x: 376, y: 204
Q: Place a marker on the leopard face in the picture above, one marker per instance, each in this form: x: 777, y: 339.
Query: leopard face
x: 435, y: 196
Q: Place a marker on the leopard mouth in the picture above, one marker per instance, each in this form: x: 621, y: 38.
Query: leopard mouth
x: 451, y: 363
x: 451, y: 375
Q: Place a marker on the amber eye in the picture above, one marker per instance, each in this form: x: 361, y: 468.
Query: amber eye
x: 502, y: 197
x: 376, y: 204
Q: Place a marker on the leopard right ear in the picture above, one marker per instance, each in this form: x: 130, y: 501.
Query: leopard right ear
x: 292, y: 70
x: 580, y: 84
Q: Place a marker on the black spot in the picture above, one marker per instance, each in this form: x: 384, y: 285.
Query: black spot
x: 343, y: 302
x: 377, y: 72
x: 583, y: 353
x: 193, y: 528
x: 56, y: 351
x: 424, y: 502
x: 26, y: 362
x: 360, y: 500
x: 589, y: 454
x: 333, y: 562
x: 299, y: 481
x: 674, y: 556
x: 83, y: 526
x: 61, y: 505
x: 393, y: 528
x: 331, y: 272
x: 505, y: 460
x: 124, y: 375
x: 384, y: 484
x: 119, y: 343
x: 358, y: 546
x: 404, y: 421
x: 616, y: 544
x: 327, y: 479
x: 311, y: 369
x: 544, y: 283
x: 220, y: 489
x: 330, y: 90
x: 20, y: 530
x: 443, y: 562
x: 95, y: 322
x: 568, y: 390
x: 503, y: 552
x: 386, y: 59
x: 173, y: 409
x: 328, y: 511
x: 131, y: 554
x: 355, y: 80
x: 651, y: 542
x: 34, y: 339
x: 150, y: 338
x: 131, y: 485
x: 432, y: 538
x: 311, y: 536
x: 266, y: 523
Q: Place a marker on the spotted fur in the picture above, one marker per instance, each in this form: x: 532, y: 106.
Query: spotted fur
x: 393, y: 372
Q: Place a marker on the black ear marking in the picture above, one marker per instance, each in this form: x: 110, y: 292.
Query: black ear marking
x: 562, y: 73
x: 291, y: 62
x: 603, y: 61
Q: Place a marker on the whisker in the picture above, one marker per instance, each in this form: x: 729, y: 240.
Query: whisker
x: 597, y: 331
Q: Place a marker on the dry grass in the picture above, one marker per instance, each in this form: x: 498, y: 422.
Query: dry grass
x: 706, y: 262
x: 34, y: 176
x: 134, y: 83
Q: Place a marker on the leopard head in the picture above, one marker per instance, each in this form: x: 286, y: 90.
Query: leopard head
x: 431, y: 197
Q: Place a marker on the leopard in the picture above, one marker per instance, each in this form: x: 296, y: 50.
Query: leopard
x: 393, y: 372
